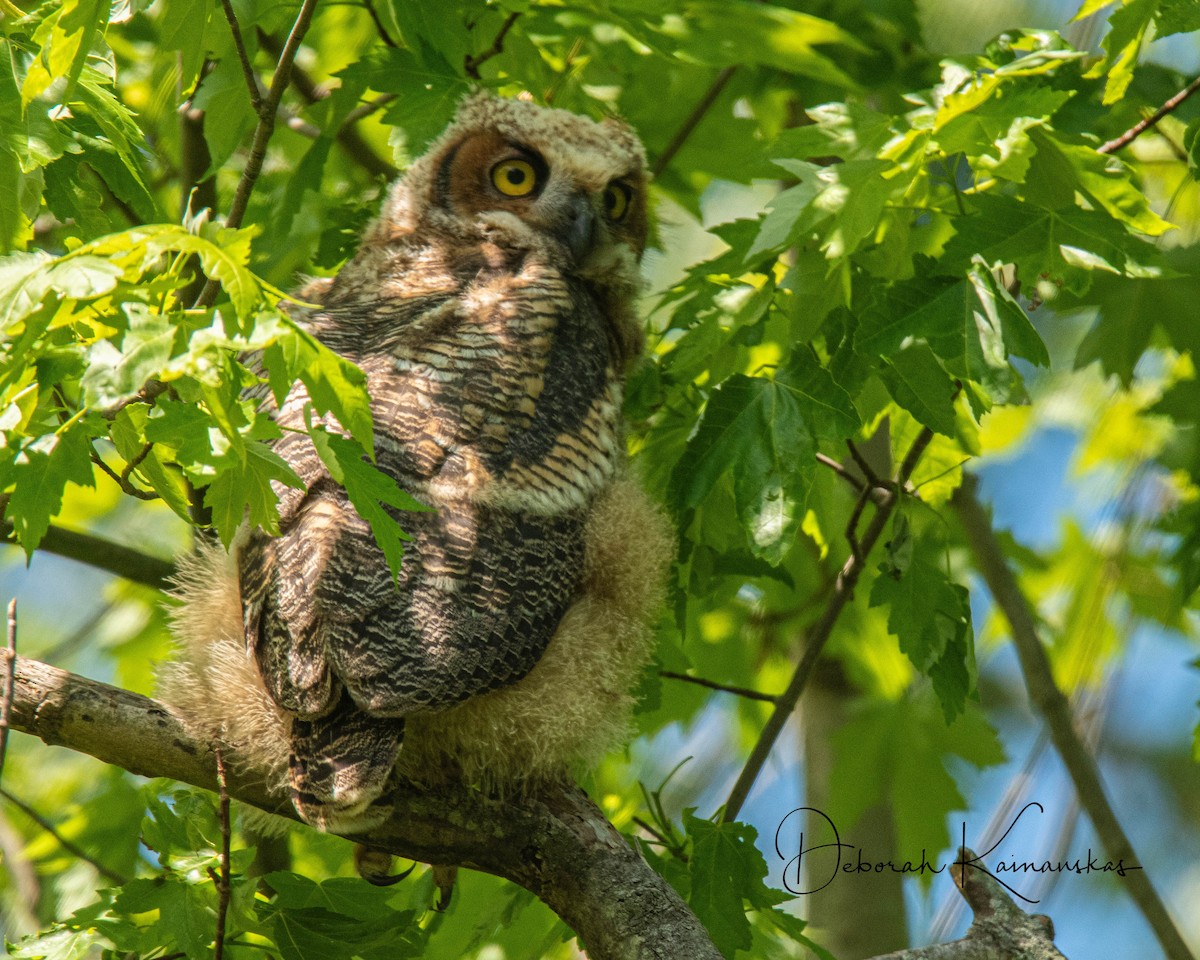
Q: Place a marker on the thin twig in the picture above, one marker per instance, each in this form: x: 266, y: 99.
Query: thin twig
x: 222, y: 882
x: 243, y: 57
x: 136, y: 461
x: 349, y: 139
x: 262, y: 135
x: 1049, y: 700
x: 379, y: 27
x: 713, y: 685
x: 841, y: 471
x: 364, y: 110
x: 820, y: 631
x: 861, y: 462
x: 10, y: 666
x: 860, y: 504
x: 693, y: 119
x: 122, y: 480
x: 471, y: 64
x: 1143, y: 125
x: 68, y: 845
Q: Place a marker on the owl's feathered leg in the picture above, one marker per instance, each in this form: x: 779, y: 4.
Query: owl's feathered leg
x: 340, y: 764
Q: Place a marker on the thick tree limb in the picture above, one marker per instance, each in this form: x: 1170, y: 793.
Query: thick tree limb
x: 1001, y: 928
x: 1050, y: 702
x: 558, y: 844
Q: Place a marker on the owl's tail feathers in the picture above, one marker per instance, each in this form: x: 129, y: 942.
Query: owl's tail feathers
x: 339, y: 766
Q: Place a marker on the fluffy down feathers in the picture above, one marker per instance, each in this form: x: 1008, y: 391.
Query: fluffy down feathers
x: 571, y: 709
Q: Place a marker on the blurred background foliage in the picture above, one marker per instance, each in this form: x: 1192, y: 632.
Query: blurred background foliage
x: 875, y: 220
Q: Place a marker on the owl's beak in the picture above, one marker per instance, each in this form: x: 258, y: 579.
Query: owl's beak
x: 581, y: 228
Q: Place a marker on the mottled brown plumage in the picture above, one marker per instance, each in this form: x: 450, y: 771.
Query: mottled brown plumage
x: 491, y: 308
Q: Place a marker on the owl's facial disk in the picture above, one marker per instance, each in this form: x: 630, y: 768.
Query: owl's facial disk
x: 583, y: 209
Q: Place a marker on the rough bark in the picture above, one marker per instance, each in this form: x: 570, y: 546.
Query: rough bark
x: 558, y: 844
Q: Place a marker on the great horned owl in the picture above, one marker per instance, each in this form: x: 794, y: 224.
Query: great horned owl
x: 491, y: 307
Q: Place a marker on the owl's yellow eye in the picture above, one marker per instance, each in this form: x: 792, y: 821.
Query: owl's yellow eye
x: 617, y: 198
x: 514, y: 178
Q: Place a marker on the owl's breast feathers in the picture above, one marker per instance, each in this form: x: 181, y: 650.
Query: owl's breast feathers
x: 499, y: 406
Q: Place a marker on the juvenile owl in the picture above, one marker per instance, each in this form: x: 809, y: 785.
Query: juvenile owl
x: 491, y: 307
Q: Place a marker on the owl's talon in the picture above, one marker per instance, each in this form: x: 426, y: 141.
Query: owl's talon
x: 443, y: 878
x: 375, y: 866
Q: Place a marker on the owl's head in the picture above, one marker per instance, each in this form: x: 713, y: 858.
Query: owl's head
x: 529, y: 177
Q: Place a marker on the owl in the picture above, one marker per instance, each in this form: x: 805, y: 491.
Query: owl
x: 491, y: 307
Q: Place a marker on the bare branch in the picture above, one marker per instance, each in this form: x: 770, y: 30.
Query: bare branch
x: 1049, y: 700
x: 693, y: 119
x: 103, y: 555
x: 820, y: 631
x: 122, y: 479
x: 713, y: 685
x: 10, y: 665
x: 1000, y: 929
x: 1143, y: 125
x: 841, y: 471
x: 348, y: 138
x: 243, y: 58
x: 556, y: 843
x: 262, y: 134
x: 72, y: 848
x: 222, y: 882
x: 471, y: 64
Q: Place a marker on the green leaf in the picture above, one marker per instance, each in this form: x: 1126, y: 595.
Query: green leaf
x: 370, y: 490
x: 242, y: 490
x: 895, y: 753
x: 183, y: 26
x: 771, y: 35
x: 58, y: 944
x: 72, y: 34
x: 335, y: 385
x: 40, y: 473
x: 117, y: 373
x: 918, y: 382
x: 1122, y: 44
x: 827, y: 406
x: 753, y: 428
x: 1104, y: 180
x: 1064, y: 246
x: 726, y: 870
x: 429, y: 88
x: 929, y: 614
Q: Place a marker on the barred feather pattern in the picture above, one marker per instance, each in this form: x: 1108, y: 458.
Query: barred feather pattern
x: 498, y: 406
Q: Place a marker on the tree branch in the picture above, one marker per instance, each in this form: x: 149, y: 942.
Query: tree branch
x: 1000, y: 928
x: 243, y: 57
x: 1049, y: 700
x: 348, y: 138
x: 262, y: 134
x: 556, y: 844
x: 471, y: 64
x: 693, y: 119
x: 103, y: 555
x: 1143, y: 125
x: 713, y: 685
x: 820, y: 632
